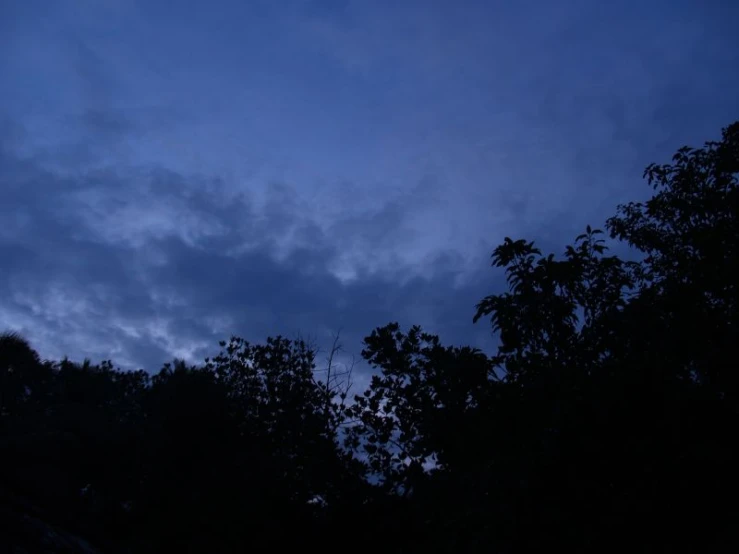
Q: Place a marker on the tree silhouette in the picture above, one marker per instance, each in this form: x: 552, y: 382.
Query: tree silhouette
x: 21, y: 375
x: 605, y: 421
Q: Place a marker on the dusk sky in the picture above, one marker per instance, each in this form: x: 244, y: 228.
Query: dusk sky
x: 172, y: 173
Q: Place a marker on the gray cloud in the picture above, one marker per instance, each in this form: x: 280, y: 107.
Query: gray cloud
x: 309, y: 165
x: 142, y: 264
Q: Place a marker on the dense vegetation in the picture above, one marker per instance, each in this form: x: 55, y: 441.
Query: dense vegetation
x: 605, y: 421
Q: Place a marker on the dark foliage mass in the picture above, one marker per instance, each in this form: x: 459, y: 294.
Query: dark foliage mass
x: 606, y: 421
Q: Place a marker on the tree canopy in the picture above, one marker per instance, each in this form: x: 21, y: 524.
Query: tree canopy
x: 606, y: 420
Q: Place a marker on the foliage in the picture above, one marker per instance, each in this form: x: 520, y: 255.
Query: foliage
x: 604, y: 421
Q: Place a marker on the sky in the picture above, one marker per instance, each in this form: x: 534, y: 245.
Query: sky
x: 174, y: 173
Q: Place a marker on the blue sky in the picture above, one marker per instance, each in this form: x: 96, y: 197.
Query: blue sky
x: 174, y: 173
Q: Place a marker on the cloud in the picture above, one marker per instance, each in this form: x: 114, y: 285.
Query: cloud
x: 142, y: 264
x: 312, y: 164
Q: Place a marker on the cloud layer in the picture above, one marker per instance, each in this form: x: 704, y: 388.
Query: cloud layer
x: 171, y: 178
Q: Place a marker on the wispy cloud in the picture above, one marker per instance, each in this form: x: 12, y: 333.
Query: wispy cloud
x: 254, y: 168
